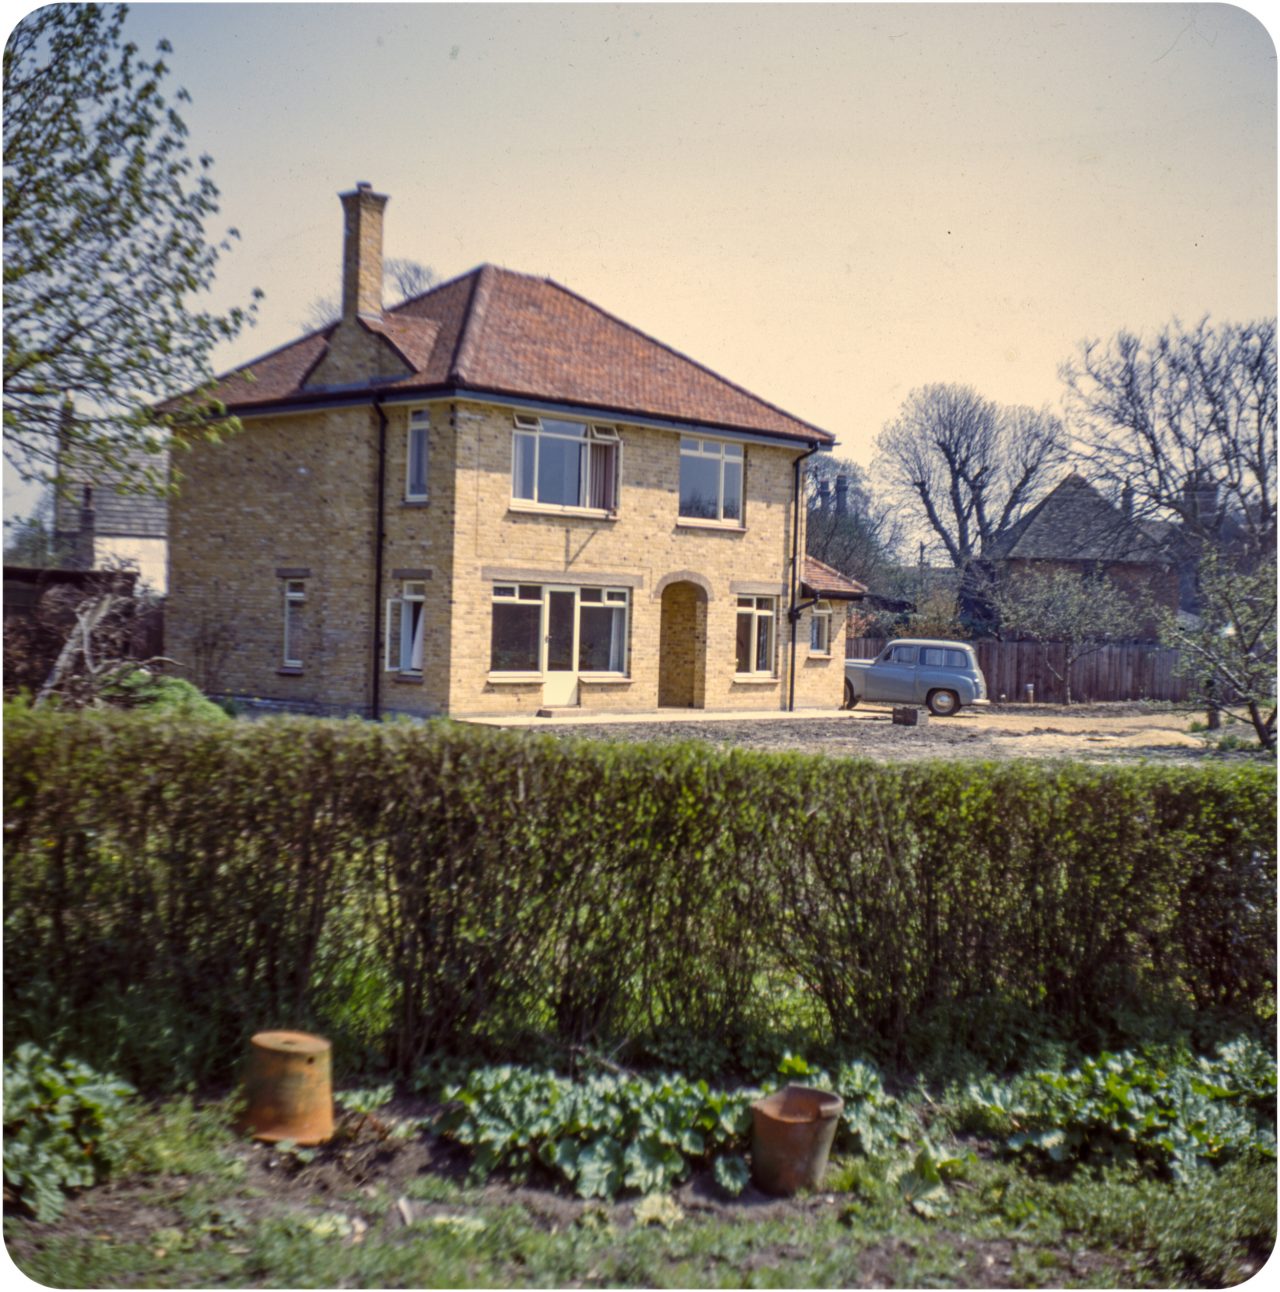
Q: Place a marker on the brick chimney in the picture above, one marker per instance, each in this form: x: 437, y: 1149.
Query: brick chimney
x: 842, y: 495
x: 362, y: 252
x: 82, y: 557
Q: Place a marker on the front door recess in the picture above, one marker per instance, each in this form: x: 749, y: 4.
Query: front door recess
x: 560, y: 672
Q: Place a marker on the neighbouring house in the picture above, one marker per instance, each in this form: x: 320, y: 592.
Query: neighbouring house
x: 99, y: 522
x: 497, y: 498
x: 1075, y: 528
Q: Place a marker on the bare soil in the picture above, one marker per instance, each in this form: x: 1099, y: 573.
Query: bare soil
x: 1099, y: 733
x: 365, y: 1174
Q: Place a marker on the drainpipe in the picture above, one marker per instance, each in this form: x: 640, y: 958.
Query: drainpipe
x: 793, y: 613
x: 379, y: 537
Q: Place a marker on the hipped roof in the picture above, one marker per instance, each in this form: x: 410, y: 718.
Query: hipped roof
x: 1076, y: 523
x: 500, y: 332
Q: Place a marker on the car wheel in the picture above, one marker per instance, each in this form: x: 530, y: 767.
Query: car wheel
x: 849, y: 698
x: 943, y: 704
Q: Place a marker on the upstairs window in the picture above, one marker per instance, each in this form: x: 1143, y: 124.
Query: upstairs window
x: 710, y: 480
x: 559, y: 463
x: 415, y: 481
x: 404, y: 631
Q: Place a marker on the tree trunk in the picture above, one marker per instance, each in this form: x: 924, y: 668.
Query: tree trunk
x: 1265, y: 727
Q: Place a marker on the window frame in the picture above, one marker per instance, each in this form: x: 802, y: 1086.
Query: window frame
x: 413, y: 592
x: 722, y: 456
x: 596, y: 437
x: 761, y: 608
x: 822, y: 619
x: 295, y: 595
x: 604, y: 596
x: 419, y: 422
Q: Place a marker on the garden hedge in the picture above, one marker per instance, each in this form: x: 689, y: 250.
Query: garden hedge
x: 171, y: 887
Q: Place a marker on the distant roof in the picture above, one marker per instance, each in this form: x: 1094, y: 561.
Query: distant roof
x: 499, y: 332
x: 1076, y: 523
x: 824, y: 581
x: 116, y: 514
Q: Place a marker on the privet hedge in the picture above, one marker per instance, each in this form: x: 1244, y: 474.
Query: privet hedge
x: 171, y: 887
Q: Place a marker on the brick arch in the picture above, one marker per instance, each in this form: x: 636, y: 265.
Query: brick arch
x: 683, y: 576
x: 682, y: 640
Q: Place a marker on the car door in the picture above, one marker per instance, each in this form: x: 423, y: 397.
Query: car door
x: 893, y: 676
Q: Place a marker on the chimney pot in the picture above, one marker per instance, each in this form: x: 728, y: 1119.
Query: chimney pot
x: 362, y: 252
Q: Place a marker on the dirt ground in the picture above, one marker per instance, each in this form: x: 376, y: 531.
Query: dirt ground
x: 367, y: 1177
x: 1093, y: 733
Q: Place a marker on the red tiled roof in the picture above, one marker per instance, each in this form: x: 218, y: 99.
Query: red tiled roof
x: 499, y: 331
x: 822, y: 580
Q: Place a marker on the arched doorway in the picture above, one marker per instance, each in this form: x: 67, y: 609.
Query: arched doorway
x: 682, y: 645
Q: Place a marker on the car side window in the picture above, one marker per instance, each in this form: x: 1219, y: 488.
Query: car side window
x: 903, y: 655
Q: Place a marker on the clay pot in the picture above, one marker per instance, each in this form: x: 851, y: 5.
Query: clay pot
x: 289, y: 1088
x: 791, y: 1135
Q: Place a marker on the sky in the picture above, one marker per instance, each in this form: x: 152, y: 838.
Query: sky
x: 828, y: 204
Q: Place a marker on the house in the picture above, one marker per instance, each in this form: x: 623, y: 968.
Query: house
x: 99, y: 521
x: 497, y: 498
x: 1075, y: 528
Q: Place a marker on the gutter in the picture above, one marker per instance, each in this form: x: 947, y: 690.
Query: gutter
x: 343, y: 397
x: 795, y: 609
x: 379, y: 541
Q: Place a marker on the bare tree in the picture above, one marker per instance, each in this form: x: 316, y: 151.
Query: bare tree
x: 1228, y: 651
x: 401, y: 280
x: 966, y: 467
x: 846, y: 526
x: 1187, y: 423
x: 1078, y: 612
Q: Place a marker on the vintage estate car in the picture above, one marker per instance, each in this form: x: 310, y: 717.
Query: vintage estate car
x: 943, y: 675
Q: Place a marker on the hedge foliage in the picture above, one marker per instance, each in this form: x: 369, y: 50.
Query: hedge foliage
x: 171, y: 887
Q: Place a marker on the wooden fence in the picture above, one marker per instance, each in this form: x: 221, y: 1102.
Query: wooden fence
x: 1117, y: 672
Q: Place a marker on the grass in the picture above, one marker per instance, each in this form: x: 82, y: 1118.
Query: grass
x: 183, y: 1213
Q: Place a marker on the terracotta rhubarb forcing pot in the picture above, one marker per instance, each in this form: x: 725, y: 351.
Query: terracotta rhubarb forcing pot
x: 791, y: 1135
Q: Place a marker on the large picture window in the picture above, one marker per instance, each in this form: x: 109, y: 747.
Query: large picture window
x: 756, y: 617
x: 579, y: 629
x: 516, y: 642
x: 559, y: 463
x: 710, y: 480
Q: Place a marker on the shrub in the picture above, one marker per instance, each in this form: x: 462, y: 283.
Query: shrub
x: 62, y: 1122
x: 419, y: 889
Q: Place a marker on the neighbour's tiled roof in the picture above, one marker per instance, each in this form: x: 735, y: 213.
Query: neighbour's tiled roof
x: 494, y: 330
x: 1076, y: 523
x: 127, y: 514
x: 822, y: 580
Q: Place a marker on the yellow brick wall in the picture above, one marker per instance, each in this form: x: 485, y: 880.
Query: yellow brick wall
x: 287, y: 493
x: 298, y: 492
